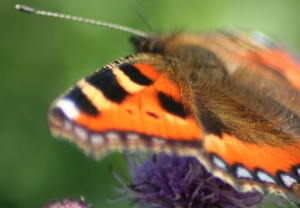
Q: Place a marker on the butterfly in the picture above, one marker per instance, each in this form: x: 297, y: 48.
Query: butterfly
x: 229, y: 98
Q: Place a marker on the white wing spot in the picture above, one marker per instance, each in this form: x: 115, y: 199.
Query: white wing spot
x: 112, y: 136
x: 68, y: 108
x: 242, y: 172
x: 158, y: 141
x: 264, y: 177
x: 133, y: 136
x: 298, y: 172
x: 287, y: 180
x: 81, y: 133
x: 97, y: 139
x: 218, y: 162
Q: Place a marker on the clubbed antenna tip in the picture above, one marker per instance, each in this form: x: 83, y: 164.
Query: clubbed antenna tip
x: 24, y: 8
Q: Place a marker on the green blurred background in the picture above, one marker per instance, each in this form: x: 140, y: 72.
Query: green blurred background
x: 41, y: 57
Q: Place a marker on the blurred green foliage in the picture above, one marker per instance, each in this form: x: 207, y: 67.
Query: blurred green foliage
x: 41, y: 57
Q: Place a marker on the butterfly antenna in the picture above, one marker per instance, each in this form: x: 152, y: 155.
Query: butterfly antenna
x: 27, y: 9
x: 142, y: 15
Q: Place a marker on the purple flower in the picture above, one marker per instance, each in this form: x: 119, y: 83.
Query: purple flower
x: 69, y: 203
x: 166, y: 181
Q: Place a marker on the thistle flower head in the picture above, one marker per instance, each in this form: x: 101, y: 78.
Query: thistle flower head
x: 166, y: 181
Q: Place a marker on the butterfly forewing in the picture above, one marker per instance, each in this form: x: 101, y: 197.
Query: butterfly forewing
x: 132, y: 104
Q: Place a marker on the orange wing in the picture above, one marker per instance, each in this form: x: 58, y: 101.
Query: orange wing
x: 129, y: 104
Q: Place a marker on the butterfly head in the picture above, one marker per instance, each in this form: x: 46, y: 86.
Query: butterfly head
x: 150, y: 44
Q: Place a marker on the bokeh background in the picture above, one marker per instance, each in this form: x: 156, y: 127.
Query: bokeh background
x: 40, y: 57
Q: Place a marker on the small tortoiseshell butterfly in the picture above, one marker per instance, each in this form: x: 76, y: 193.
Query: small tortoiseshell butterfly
x: 230, y: 99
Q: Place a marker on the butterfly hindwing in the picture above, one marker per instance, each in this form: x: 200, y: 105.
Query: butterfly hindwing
x: 246, y: 90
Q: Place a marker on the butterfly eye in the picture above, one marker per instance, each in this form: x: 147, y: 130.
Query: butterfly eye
x: 148, y: 44
x: 138, y: 42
